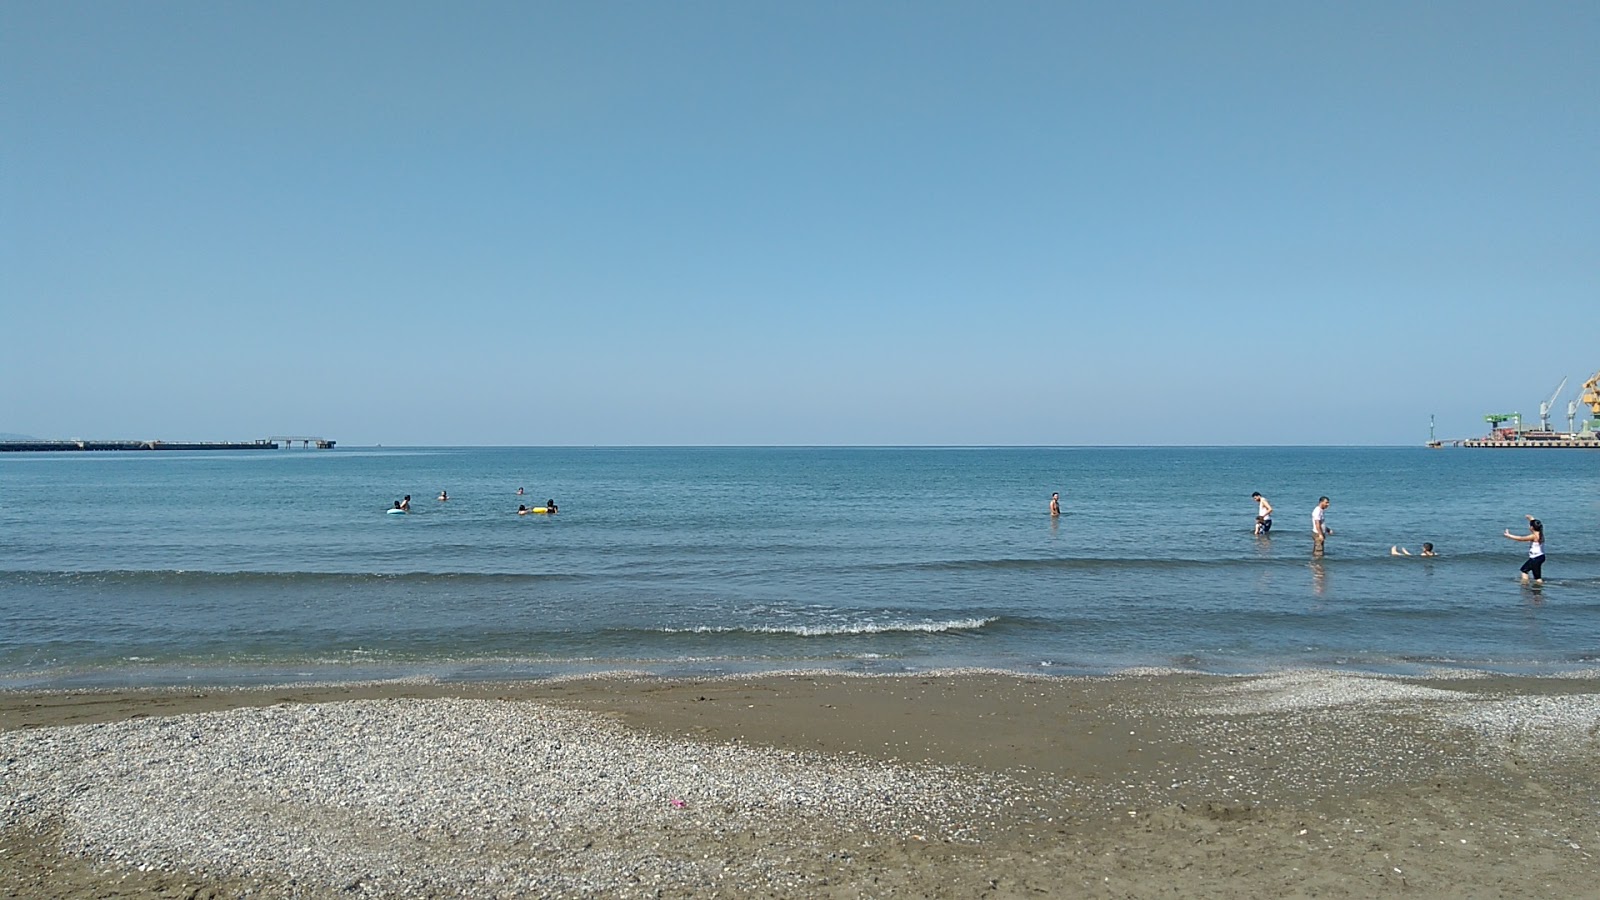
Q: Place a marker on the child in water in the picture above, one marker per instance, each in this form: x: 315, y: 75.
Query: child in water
x: 1427, y: 550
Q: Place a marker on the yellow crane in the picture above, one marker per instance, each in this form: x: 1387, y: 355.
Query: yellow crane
x: 1591, y: 395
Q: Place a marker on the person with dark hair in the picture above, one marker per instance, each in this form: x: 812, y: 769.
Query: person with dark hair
x: 1055, y: 505
x: 1263, y: 513
x: 1535, y: 540
x: 1319, y: 526
x: 1397, y: 550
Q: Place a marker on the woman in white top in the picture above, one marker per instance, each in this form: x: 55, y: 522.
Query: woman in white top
x: 1535, y: 541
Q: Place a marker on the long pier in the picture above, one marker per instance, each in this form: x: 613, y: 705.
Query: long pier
x: 305, y: 443
x: 1564, y: 444
x: 264, y: 444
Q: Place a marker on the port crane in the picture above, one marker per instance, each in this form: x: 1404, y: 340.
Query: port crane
x: 1505, y: 429
x: 1494, y: 420
x: 1591, y: 395
x: 1545, y: 407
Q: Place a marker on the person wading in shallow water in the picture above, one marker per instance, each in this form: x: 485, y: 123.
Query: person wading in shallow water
x: 1055, y: 506
x: 1263, y: 513
x: 1319, y: 526
x: 1535, y: 541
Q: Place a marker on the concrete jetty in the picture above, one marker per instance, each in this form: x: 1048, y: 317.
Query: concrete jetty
x: 305, y: 442
x: 51, y: 446
x: 1572, y: 442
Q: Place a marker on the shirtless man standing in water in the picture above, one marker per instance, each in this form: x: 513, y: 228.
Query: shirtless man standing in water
x: 1055, y: 506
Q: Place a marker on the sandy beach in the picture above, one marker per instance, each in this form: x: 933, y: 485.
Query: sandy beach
x: 965, y: 784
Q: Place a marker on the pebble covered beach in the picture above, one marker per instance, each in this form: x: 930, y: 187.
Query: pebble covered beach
x: 948, y: 785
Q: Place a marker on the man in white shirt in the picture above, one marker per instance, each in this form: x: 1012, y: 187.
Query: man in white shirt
x: 1319, y: 525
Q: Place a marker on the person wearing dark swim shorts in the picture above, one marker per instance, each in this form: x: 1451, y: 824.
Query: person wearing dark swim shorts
x: 1534, y: 565
x: 1263, y: 513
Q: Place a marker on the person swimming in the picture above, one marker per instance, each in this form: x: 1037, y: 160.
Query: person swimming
x: 1427, y: 550
x: 444, y: 495
x: 404, y: 504
x: 522, y: 509
x: 550, y: 506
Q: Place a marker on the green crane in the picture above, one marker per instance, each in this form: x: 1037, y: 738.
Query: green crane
x: 1494, y: 420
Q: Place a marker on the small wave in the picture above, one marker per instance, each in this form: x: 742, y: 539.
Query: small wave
x: 190, y: 576
x: 1071, y: 564
x: 925, y: 627
x: 1344, y: 557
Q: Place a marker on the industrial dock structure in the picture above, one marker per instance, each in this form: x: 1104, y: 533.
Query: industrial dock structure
x: 1506, y: 431
x: 263, y: 444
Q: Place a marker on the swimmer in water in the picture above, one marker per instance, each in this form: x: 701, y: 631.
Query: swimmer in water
x: 550, y: 506
x: 444, y: 495
x: 1427, y: 550
x: 404, y: 504
x: 1055, y: 506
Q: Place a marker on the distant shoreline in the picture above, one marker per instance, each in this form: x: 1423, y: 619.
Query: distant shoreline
x: 79, y: 446
x: 107, y: 446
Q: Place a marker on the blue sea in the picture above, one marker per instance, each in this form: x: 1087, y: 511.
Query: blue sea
x: 171, y: 568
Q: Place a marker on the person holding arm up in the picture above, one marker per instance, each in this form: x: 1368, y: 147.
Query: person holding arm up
x: 1535, y: 540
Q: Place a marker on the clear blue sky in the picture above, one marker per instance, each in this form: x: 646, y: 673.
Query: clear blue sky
x: 796, y: 223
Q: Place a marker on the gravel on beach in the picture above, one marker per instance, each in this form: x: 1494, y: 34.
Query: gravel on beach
x: 414, y: 797
x: 1298, y: 783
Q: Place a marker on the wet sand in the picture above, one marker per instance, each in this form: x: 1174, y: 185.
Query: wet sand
x: 1141, y: 785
